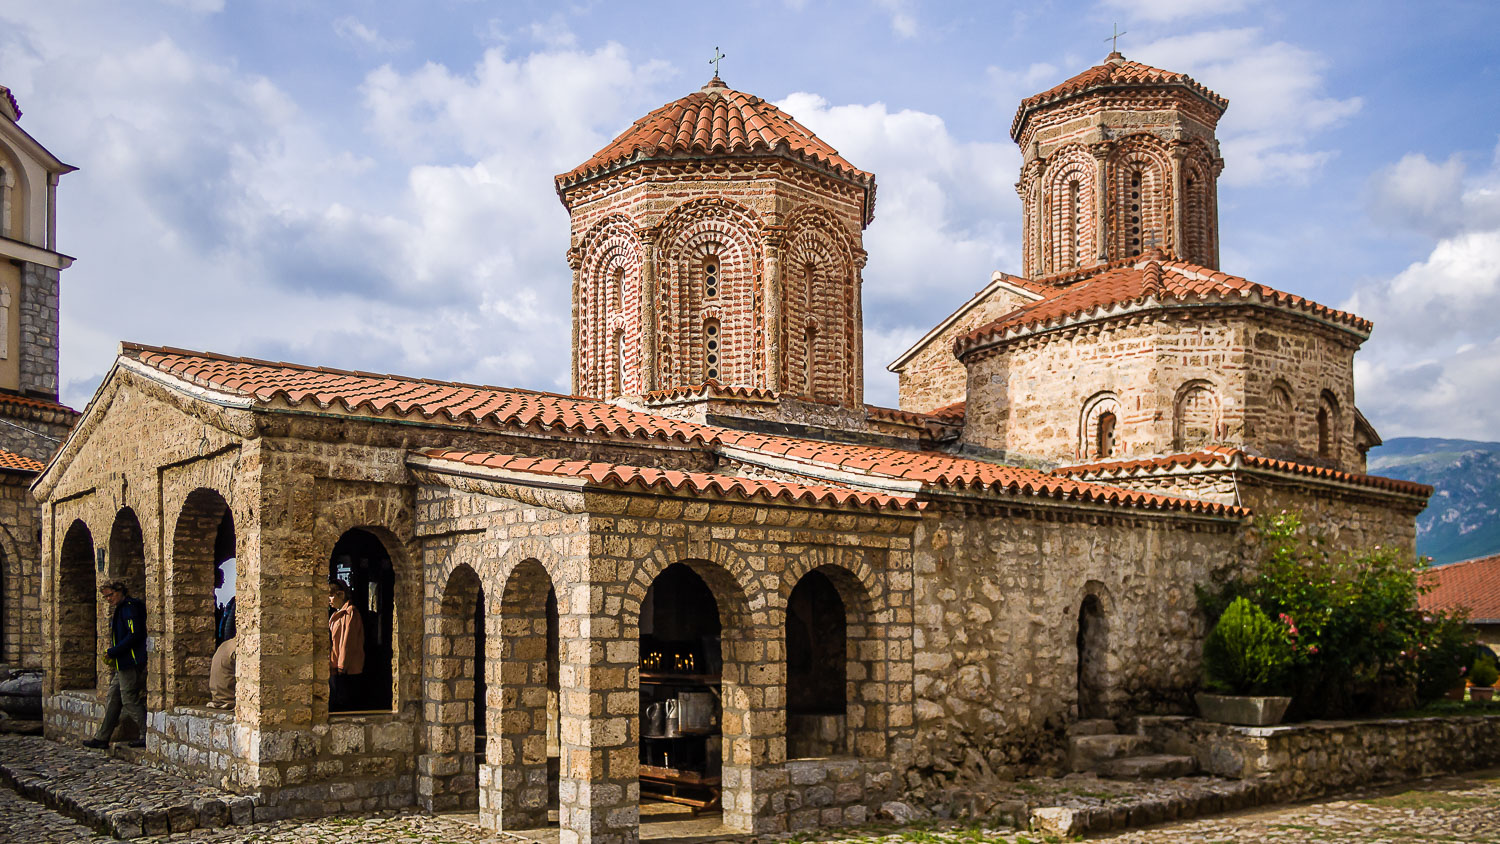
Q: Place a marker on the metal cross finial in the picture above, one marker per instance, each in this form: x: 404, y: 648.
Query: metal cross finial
x: 715, y: 61
x: 1114, y: 47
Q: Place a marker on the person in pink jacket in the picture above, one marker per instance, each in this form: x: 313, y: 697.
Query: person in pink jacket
x: 346, y: 657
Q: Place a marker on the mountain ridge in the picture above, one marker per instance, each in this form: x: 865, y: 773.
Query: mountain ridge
x: 1462, y: 519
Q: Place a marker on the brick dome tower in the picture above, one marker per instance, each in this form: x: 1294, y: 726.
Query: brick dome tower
x: 717, y: 245
x: 1116, y: 161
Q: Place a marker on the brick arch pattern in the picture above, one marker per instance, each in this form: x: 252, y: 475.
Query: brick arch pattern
x: 1139, y: 216
x: 691, y: 234
x: 1200, y: 207
x: 611, y: 247
x: 448, y: 766
x: 1069, y: 234
x: 189, y: 597
x: 819, y: 303
x: 1094, y: 410
x: 77, y: 610
x: 1196, y: 419
x: 388, y: 517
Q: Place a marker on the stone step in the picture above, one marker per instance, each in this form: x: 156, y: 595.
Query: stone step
x: 1155, y: 766
x: 1087, y: 752
x: 114, y: 796
x: 1092, y: 727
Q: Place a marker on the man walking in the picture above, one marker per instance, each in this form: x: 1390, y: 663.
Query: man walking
x: 127, y: 655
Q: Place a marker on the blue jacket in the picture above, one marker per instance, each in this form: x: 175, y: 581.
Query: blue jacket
x: 128, y: 632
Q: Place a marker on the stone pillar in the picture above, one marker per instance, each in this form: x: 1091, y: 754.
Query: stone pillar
x: 599, y: 699
x: 1101, y: 154
x: 513, y: 781
x: 575, y: 261
x: 1177, y: 204
x: 857, y: 331
x: 648, y: 309
x: 775, y: 351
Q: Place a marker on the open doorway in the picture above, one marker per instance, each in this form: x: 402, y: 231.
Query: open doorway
x: 1093, y: 647
x: 361, y: 562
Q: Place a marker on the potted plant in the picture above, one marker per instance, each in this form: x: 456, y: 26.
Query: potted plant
x: 1246, y: 660
x: 1482, y: 676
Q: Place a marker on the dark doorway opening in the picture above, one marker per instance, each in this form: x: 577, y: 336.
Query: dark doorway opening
x: 1093, y: 646
x: 816, y: 669
x: 361, y: 561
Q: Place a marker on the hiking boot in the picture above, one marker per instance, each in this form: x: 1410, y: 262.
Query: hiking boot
x: 140, y: 742
x: 95, y: 743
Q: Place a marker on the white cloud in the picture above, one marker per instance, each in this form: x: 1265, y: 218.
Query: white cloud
x: 1433, y: 363
x: 1172, y: 10
x: 1277, y: 104
x: 903, y: 20
x: 352, y: 29
x: 945, y: 219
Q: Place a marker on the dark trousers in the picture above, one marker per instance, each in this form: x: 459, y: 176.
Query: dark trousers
x: 344, y: 692
x: 127, y: 692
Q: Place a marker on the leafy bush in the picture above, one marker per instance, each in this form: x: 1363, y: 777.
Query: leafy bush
x: 1247, y: 652
x: 1359, y: 643
x: 1484, y: 672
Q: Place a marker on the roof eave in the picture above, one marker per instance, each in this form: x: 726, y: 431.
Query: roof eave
x: 1025, y: 110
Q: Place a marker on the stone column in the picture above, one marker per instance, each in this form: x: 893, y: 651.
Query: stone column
x: 515, y: 769
x: 575, y: 261
x: 599, y: 699
x: 648, y: 309
x: 775, y: 352
x: 1177, y: 204
x: 1101, y: 153
x: 857, y: 331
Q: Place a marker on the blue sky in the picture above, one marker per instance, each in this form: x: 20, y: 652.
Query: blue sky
x: 368, y: 184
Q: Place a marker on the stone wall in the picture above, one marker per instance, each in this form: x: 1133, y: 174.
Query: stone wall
x: 1029, y: 397
x: 21, y: 644
x: 1319, y: 757
x: 998, y: 602
x: 1353, y: 520
x: 37, y: 346
x: 932, y: 377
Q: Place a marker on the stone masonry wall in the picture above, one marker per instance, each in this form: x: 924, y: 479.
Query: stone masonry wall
x: 1350, y: 521
x: 38, y: 346
x: 1028, y: 397
x: 20, y: 577
x: 998, y: 601
x: 933, y: 377
x: 33, y: 432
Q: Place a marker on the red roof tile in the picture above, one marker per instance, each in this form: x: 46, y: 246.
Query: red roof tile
x: 709, y: 390
x: 18, y: 463
x: 952, y: 413
x: 715, y: 119
x: 938, y: 469
x: 40, y: 404
x: 1230, y: 457
x: 618, y: 475
x: 1473, y: 585
x: 266, y: 382
x: 1164, y: 282
x: 1116, y: 72
x: 905, y: 417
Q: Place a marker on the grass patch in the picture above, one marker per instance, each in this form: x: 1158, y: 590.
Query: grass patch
x: 1445, y: 800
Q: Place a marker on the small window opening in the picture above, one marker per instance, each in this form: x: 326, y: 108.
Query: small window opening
x: 1135, y: 210
x: 711, y: 350
x: 617, y: 291
x: 711, y: 278
x: 1325, y: 434
x: 1104, y: 444
x: 1074, y: 222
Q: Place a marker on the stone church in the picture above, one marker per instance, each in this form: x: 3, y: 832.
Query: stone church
x: 714, y: 575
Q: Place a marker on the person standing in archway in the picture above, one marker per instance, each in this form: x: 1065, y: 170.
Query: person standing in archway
x: 127, y: 656
x: 346, y: 657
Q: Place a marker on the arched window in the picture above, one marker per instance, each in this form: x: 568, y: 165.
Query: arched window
x: 1133, y: 213
x: 1328, y: 426
x: 617, y: 291
x: 1196, y: 418
x: 1104, y: 439
x: 711, y: 350
x: 1075, y: 221
x: 816, y: 644
x: 77, y: 611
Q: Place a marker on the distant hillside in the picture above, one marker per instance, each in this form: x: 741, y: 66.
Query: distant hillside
x: 1463, y: 518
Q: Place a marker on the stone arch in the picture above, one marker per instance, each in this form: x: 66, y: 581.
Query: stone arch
x: 454, y: 667
x: 1330, y: 426
x: 77, y: 607
x: 1200, y: 207
x: 1139, y: 196
x: 1098, y: 425
x: 1092, y: 642
x: 729, y: 235
x: 846, y: 673
x: 126, y: 554
x: 189, y: 596
x: 612, y: 257
x: 1195, y: 416
x: 819, y: 303
x: 1069, y: 199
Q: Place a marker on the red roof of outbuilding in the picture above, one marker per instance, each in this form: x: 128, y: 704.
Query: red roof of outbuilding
x: 1116, y: 72
x: 1166, y: 282
x: 1471, y: 584
x: 715, y: 119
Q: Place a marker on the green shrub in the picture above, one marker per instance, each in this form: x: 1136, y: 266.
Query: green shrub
x: 1247, y: 652
x: 1444, y: 653
x: 1484, y: 671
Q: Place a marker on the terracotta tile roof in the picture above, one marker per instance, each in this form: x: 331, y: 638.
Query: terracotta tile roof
x: 1149, y: 280
x: 1116, y: 72
x: 1471, y: 584
x: 18, y: 463
x: 905, y: 417
x: 953, y: 413
x: 39, y: 404
x: 1229, y: 457
x: 715, y: 119
x: 938, y: 469
x: 623, y: 476
x: 365, y: 393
